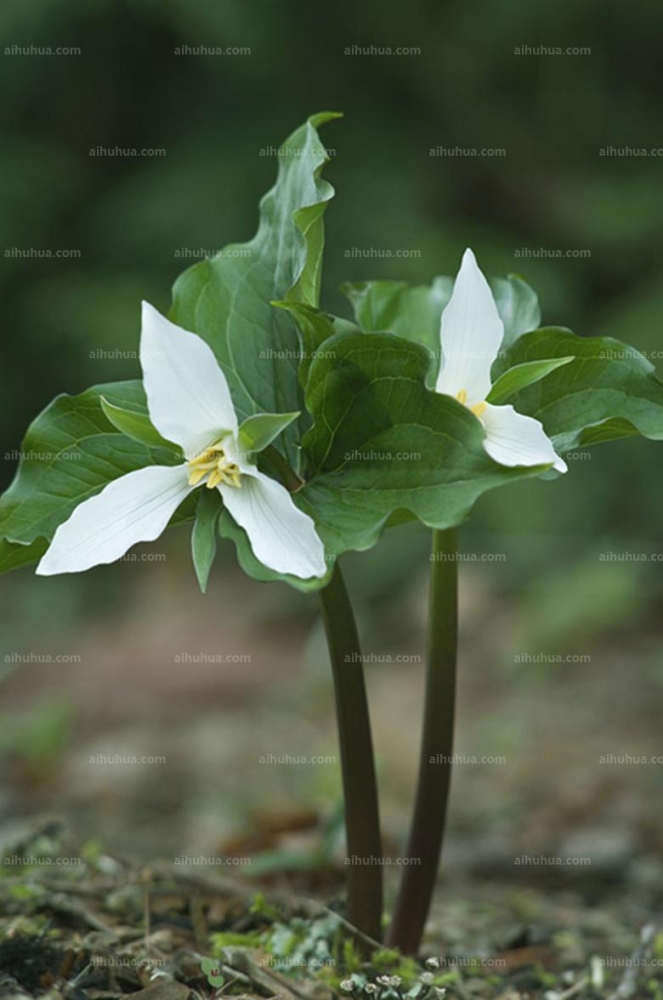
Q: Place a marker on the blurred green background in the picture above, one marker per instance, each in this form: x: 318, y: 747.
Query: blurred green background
x: 132, y: 219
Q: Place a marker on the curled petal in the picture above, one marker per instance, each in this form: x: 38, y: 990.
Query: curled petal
x: 515, y: 439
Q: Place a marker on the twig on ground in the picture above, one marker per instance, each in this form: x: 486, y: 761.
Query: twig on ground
x: 628, y: 986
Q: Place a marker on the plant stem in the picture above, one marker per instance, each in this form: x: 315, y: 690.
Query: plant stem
x: 427, y: 830
x: 362, y: 822
x: 289, y: 477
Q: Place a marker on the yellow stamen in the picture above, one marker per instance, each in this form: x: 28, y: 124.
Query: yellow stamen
x: 477, y: 409
x: 214, y: 479
x: 213, y: 464
x: 195, y: 476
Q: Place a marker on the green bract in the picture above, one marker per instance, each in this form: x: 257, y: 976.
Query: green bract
x: 258, y: 431
x: 345, y: 408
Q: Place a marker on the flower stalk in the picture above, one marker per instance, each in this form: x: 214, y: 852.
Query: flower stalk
x: 428, y: 821
x: 289, y: 477
x: 362, y: 820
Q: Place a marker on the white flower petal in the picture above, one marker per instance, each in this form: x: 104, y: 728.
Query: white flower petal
x: 282, y: 536
x: 134, y: 508
x: 187, y: 393
x: 471, y: 332
x: 514, y: 439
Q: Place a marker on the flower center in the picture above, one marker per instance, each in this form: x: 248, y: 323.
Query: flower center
x: 477, y: 409
x: 214, y: 466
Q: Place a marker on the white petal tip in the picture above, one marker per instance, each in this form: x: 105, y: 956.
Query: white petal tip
x: 147, y: 312
x: 47, y: 565
x: 314, y: 568
x: 51, y: 567
x: 316, y: 572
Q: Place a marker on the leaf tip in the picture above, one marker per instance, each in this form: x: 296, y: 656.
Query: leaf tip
x: 322, y: 117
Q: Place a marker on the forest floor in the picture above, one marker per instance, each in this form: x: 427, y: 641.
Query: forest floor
x: 103, y: 929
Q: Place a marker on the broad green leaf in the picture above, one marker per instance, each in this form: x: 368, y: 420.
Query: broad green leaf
x: 261, y: 429
x: 608, y: 391
x: 227, y: 299
x: 70, y: 452
x: 411, y: 311
x: 135, y: 424
x: 203, y: 536
x: 520, y: 376
x: 384, y: 447
x: 13, y: 555
x: 518, y: 306
x: 414, y: 311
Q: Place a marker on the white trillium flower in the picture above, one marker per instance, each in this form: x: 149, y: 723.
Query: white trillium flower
x: 471, y: 333
x: 189, y: 403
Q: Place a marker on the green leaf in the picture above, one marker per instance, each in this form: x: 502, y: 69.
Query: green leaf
x: 609, y: 430
x: 261, y: 429
x: 212, y: 969
x: 13, y: 555
x: 411, y: 311
x: 384, y: 447
x: 414, y: 311
x: 517, y: 378
x: 315, y: 327
x: 227, y: 299
x: 135, y: 424
x: 607, y: 391
x: 70, y: 452
x: 518, y: 306
x: 203, y: 536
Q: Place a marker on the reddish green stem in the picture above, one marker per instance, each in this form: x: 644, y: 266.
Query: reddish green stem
x: 362, y: 821
x: 427, y: 830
